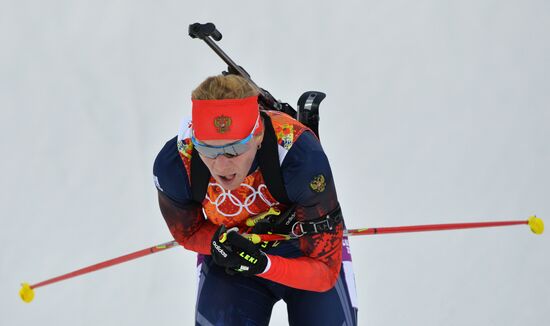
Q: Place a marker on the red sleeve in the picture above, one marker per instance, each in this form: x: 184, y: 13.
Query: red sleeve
x: 317, y: 271
x: 187, y: 224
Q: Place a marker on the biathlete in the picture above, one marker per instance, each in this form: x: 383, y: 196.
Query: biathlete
x: 215, y: 186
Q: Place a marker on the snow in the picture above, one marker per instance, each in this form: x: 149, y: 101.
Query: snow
x: 436, y: 112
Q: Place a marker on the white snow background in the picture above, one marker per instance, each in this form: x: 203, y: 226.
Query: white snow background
x: 437, y: 111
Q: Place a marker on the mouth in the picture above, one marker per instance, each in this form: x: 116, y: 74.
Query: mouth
x: 228, y: 177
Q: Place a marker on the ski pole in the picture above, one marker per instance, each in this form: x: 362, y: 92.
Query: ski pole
x: 535, y: 224
x: 27, y: 290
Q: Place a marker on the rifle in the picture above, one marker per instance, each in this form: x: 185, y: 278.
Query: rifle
x: 308, y: 103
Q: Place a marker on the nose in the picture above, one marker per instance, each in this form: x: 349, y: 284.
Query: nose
x: 221, y: 162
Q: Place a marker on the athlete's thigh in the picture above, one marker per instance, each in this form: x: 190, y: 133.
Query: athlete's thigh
x: 225, y: 299
x: 330, y: 308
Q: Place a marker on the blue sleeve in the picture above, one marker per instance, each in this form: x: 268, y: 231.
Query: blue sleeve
x: 307, y: 174
x: 170, y: 175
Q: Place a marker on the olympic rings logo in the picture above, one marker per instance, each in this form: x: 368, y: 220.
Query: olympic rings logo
x: 236, y: 202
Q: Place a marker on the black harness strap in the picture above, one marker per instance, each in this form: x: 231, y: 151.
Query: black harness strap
x: 268, y: 159
x: 200, y: 175
x: 319, y: 225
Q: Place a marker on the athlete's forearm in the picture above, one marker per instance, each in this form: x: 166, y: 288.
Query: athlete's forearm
x: 200, y: 240
x: 187, y: 224
x: 318, y: 271
x: 303, y: 273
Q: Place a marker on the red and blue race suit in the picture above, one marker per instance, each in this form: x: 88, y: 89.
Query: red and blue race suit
x: 311, y: 274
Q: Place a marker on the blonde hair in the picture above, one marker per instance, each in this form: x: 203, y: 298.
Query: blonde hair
x: 224, y: 87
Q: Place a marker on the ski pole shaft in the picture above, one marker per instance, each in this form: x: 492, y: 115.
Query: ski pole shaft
x: 27, y: 290
x: 431, y: 227
x: 536, y: 225
x: 27, y: 293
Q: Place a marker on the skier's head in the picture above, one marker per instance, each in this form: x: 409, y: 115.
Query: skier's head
x: 227, y: 127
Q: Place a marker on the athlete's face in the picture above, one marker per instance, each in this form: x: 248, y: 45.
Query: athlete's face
x: 230, y: 172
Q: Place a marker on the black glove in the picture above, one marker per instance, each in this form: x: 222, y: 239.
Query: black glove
x: 276, y: 223
x: 236, y: 253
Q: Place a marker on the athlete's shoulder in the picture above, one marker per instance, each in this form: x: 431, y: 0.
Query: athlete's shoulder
x: 306, y: 171
x: 287, y: 129
x: 169, y: 173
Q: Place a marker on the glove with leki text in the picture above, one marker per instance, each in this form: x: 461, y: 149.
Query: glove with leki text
x: 236, y: 253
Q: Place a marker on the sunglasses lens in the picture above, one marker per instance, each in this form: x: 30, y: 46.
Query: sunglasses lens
x: 228, y: 151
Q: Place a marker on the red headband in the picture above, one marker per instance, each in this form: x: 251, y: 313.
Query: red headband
x: 224, y: 119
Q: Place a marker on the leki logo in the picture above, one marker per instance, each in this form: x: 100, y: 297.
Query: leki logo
x: 247, y: 257
x: 222, y: 124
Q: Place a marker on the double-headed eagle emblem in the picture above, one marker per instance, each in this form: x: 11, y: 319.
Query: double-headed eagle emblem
x: 222, y: 124
x: 318, y: 184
